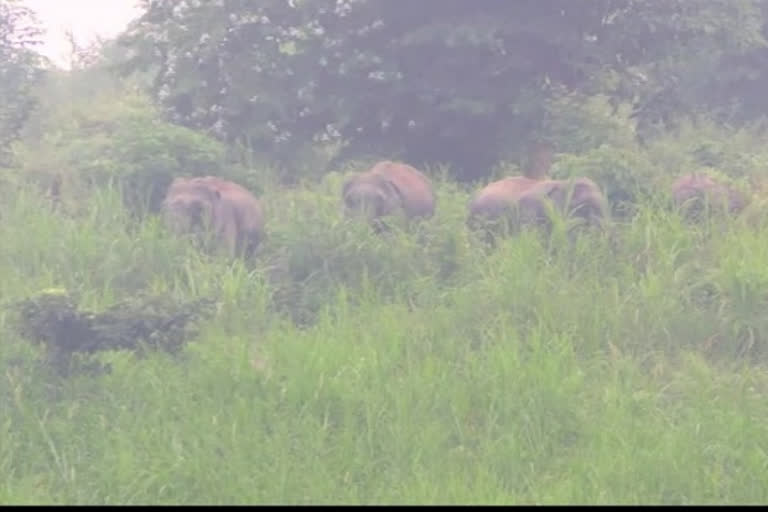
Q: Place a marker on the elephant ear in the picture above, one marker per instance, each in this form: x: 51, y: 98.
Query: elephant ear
x: 585, y: 200
x: 347, y: 184
x: 392, y: 191
x: 532, y: 204
x: 553, y: 191
x: 553, y: 198
x: 566, y: 192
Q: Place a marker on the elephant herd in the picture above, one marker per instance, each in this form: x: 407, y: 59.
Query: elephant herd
x: 236, y: 218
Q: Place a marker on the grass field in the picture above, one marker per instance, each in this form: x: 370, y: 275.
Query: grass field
x: 415, y: 367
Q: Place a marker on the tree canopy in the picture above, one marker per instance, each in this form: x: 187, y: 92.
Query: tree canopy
x: 466, y: 83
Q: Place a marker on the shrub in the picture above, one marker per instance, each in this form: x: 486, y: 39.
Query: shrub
x: 114, y: 136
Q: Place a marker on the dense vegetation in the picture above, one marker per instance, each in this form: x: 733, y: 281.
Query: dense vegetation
x: 418, y: 365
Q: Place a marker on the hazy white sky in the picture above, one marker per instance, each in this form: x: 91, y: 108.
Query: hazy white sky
x: 86, y: 19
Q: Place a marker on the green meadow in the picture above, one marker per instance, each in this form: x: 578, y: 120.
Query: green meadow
x: 418, y: 366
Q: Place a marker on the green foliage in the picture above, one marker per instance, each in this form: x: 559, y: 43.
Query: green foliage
x: 20, y: 71
x: 734, y: 91
x: 147, y: 155
x: 444, y: 81
x: 52, y: 318
x: 625, y: 175
x: 315, y: 252
x: 736, y: 152
x: 577, y: 122
x: 111, y: 134
x: 631, y: 173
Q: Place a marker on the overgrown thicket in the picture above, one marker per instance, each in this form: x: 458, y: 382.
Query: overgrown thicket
x: 339, y: 365
x: 417, y: 366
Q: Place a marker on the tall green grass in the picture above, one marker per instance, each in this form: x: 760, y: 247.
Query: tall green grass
x: 417, y: 366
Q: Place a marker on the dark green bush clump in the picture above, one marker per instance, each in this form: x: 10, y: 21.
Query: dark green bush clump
x: 53, y: 319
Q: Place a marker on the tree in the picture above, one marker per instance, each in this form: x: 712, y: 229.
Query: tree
x: 20, y: 69
x: 735, y: 93
x: 441, y: 80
